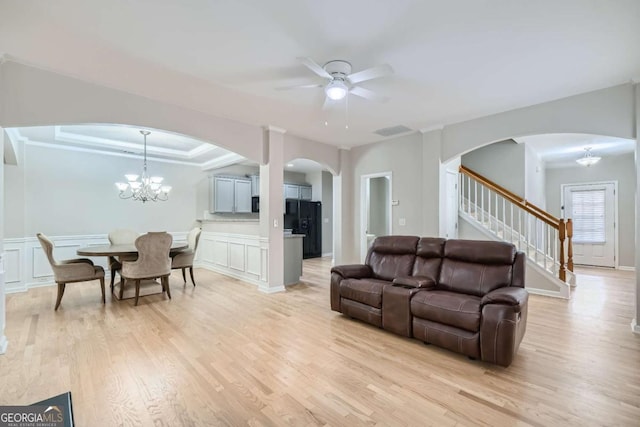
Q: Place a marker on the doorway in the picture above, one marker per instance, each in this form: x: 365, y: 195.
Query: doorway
x: 375, y: 198
x: 592, y: 208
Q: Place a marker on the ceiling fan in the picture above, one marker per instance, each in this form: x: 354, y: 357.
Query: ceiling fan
x: 342, y: 81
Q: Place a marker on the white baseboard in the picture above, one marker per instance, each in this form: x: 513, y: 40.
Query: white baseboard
x: 626, y: 268
x: 273, y: 290
x: 327, y: 254
x: 635, y: 327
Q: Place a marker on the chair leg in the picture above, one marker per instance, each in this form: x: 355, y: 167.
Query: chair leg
x: 113, y: 278
x: 184, y: 277
x: 122, y: 282
x: 61, y: 287
x: 137, y: 290
x: 102, y: 288
x: 165, y: 281
x: 191, y: 274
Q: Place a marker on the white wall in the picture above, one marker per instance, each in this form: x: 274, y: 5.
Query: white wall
x: 534, y: 177
x: 327, y: 213
x: 619, y: 168
x: 64, y: 193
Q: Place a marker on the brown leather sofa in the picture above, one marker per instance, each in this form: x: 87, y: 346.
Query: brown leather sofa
x: 463, y: 295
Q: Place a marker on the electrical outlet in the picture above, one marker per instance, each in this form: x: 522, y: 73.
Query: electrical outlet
x: 326, y: 220
x: 402, y: 221
x: 275, y: 223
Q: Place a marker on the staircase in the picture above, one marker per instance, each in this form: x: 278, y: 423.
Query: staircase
x: 501, y: 215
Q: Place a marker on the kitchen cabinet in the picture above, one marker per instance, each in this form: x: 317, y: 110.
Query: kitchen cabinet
x: 230, y: 194
x: 305, y: 192
x: 296, y: 191
x: 255, y: 185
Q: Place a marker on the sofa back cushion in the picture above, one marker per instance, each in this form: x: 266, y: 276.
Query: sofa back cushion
x: 476, y: 267
x: 429, y: 257
x: 392, y: 256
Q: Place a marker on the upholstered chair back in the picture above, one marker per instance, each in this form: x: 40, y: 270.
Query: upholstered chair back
x: 193, y: 238
x: 477, y: 267
x: 47, y: 247
x: 122, y: 236
x: 153, y: 257
x: 392, y: 256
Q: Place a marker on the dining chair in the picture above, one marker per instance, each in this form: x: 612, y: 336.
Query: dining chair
x: 153, y: 262
x: 120, y: 236
x: 72, y: 270
x: 184, y: 258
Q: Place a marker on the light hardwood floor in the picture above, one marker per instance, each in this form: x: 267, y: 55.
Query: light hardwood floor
x: 225, y: 354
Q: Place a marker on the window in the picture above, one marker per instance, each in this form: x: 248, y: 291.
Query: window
x: 588, y: 214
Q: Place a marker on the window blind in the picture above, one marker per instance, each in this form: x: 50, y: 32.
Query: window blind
x: 587, y: 212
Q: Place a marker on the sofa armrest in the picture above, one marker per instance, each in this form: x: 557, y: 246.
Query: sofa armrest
x: 506, y: 296
x: 414, y: 282
x: 353, y: 271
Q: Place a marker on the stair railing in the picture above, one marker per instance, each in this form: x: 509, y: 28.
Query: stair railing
x: 534, y: 231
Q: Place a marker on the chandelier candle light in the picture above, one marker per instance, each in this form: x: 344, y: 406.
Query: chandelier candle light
x: 147, y: 188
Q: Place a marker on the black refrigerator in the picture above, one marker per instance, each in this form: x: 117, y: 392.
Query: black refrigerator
x: 305, y: 217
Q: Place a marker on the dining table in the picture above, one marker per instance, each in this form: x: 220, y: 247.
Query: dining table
x: 147, y: 287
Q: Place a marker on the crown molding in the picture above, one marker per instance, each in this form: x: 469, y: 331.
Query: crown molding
x: 431, y: 128
x: 271, y: 128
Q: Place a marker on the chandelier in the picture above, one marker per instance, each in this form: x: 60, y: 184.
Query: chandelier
x: 147, y: 189
x: 588, y: 159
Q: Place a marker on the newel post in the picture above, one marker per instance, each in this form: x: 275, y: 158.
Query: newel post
x: 562, y: 273
x: 569, y: 245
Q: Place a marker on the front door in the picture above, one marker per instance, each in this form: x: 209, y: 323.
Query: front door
x: 591, y: 208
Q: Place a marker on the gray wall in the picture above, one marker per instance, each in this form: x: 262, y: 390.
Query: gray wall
x: 533, y: 177
x: 63, y: 192
x: 619, y: 168
x: 502, y: 162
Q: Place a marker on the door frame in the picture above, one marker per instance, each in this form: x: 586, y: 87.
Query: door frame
x: 616, y: 222
x: 364, y: 208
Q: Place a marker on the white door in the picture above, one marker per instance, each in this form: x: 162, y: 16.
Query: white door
x: 452, y: 205
x: 591, y: 208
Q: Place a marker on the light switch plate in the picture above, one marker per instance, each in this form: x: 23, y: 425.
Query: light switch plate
x: 402, y: 221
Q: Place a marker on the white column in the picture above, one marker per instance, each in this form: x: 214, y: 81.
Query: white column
x: 345, y: 243
x: 635, y: 324
x: 3, y: 315
x: 272, y: 207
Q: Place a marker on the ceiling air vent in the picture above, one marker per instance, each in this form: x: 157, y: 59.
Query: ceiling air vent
x: 393, y: 130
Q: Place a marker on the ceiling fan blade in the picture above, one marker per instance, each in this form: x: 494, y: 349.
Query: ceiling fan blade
x: 367, y: 94
x: 313, y: 66
x: 371, y: 73
x: 299, y: 87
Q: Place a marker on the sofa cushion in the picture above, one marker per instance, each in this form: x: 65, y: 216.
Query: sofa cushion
x: 366, y: 291
x: 392, y: 256
x: 449, y: 308
x: 476, y: 267
x: 429, y: 257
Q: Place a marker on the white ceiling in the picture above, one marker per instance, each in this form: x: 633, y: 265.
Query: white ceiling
x: 128, y: 141
x: 453, y: 60
x: 562, y: 150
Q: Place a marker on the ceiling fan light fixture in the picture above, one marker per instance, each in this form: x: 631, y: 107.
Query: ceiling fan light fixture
x: 588, y: 159
x: 336, y: 90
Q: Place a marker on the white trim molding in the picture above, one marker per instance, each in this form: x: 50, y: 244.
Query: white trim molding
x: 27, y: 267
x: 635, y: 327
x: 626, y: 268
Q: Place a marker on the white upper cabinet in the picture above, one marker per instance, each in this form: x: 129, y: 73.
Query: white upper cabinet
x: 230, y: 195
x: 291, y: 191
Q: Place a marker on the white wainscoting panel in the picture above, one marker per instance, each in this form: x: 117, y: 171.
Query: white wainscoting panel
x: 237, y: 255
x: 26, y: 265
